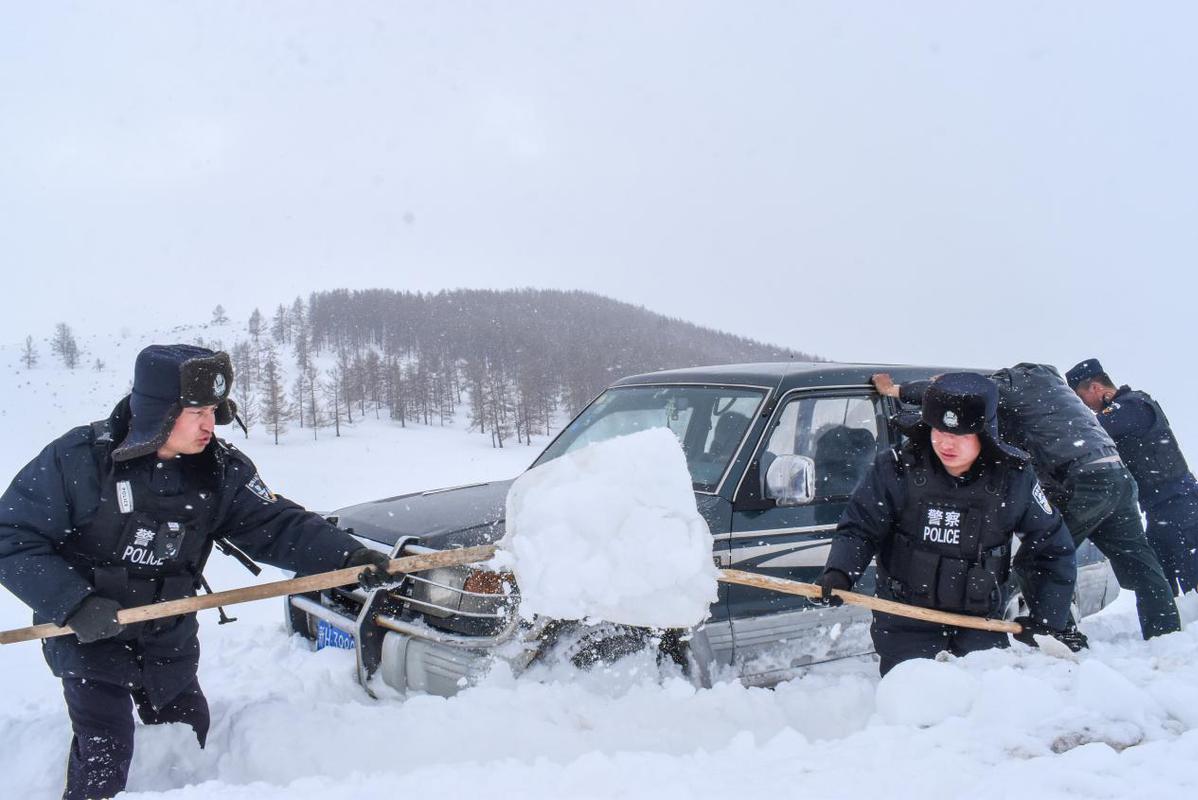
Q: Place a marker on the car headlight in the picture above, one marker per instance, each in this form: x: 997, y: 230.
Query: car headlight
x: 461, y: 590
x: 438, y: 591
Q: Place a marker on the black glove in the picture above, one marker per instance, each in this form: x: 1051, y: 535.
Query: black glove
x: 1070, y: 636
x: 831, y: 579
x: 1031, y: 628
x: 95, y: 619
x: 375, y: 575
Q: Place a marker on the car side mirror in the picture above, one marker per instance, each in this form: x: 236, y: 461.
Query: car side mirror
x: 790, y: 480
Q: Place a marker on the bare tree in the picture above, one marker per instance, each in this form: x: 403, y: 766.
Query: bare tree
x: 337, y: 407
x: 345, y: 372
x: 247, y: 404
x: 297, y: 393
x: 316, y: 411
x: 219, y: 317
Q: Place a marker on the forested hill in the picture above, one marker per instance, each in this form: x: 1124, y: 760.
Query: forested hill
x: 512, y: 358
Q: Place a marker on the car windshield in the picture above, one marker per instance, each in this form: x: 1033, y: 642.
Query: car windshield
x: 709, y: 421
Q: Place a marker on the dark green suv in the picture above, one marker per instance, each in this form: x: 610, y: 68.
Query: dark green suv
x: 774, y: 452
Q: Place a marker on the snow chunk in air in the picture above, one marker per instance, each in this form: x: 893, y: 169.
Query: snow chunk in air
x: 611, y: 532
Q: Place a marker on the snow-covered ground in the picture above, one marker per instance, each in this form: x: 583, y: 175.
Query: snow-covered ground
x: 1120, y: 721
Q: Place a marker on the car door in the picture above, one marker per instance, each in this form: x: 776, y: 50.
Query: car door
x: 841, y: 431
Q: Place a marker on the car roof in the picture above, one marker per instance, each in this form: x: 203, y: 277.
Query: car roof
x: 787, y: 375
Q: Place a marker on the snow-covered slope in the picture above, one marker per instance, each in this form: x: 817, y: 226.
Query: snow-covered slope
x: 291, y: 723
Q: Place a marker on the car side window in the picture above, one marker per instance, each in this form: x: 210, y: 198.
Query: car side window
x: 840, y: 434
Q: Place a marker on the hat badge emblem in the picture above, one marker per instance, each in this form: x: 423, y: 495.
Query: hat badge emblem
x: 950, y: 419
x: 218, y: 385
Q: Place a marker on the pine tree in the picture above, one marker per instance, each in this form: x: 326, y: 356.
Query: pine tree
x: 397, y: 399
x: 243, y: 365
x: 299, y: 321
x: 29, y: 354
x: 303, y: 354
x: 276, y: 411
x: 64, y: 345
x: 218, y: 315
x: 254, y: 326
x: 279, y: 329
x: 372, y: 379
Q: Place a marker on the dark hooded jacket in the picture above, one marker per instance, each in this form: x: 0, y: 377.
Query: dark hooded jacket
x: 56, y: 520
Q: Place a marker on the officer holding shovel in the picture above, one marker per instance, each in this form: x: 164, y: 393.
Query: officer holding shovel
x: 939, y: 515
x: 124, y: 512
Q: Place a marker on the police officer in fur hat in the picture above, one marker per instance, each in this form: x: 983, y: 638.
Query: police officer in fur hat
x: 1168, y: 490
x: 124, y: 512
x: 939, y: 514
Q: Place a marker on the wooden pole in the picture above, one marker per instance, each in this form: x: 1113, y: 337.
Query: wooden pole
x: 262, y: 591
x: 810, y: 590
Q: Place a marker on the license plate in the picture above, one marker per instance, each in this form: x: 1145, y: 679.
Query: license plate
x: 329, y: 636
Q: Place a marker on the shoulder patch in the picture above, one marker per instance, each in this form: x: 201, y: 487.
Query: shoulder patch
x: 1041, y: 500
x: 256, y: 486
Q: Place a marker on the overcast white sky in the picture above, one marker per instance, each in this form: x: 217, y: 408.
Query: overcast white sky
x: 915, y: 182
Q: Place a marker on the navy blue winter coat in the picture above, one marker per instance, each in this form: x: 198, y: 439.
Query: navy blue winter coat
x: 45, y: 516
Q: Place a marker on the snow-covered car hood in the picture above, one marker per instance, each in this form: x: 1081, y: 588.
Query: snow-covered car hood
x: 463, y: 516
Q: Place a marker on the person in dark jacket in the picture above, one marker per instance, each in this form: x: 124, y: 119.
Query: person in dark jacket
x: 938, y: 515
x: 1167, y: 488
x: 124, y: 512
x: 1079, y: 466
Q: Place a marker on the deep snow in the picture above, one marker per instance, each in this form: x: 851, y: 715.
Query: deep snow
x: 290, y: 723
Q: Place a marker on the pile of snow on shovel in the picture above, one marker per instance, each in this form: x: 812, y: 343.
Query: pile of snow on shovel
x: 611, y: 531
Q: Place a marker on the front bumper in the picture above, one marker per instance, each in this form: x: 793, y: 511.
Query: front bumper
x: 395, y: 645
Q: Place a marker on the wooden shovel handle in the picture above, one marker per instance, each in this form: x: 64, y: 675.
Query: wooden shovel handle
x: 470, y: 555
x: 810, y: 590
x: 308, y: 583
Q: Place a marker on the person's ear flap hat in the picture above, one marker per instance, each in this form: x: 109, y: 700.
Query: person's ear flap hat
x: 166, y: 379
x: 963, y: 403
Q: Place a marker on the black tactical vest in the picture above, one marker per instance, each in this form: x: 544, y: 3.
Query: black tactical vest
x: 949, y: 550
x: 1039, y: 413
x: 142, y: 547
x: 1153, y: 458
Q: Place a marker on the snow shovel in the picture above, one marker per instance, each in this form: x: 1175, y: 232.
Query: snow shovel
x: 308, y: 583
x: 1050, y: 645
x: 810, y: 590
